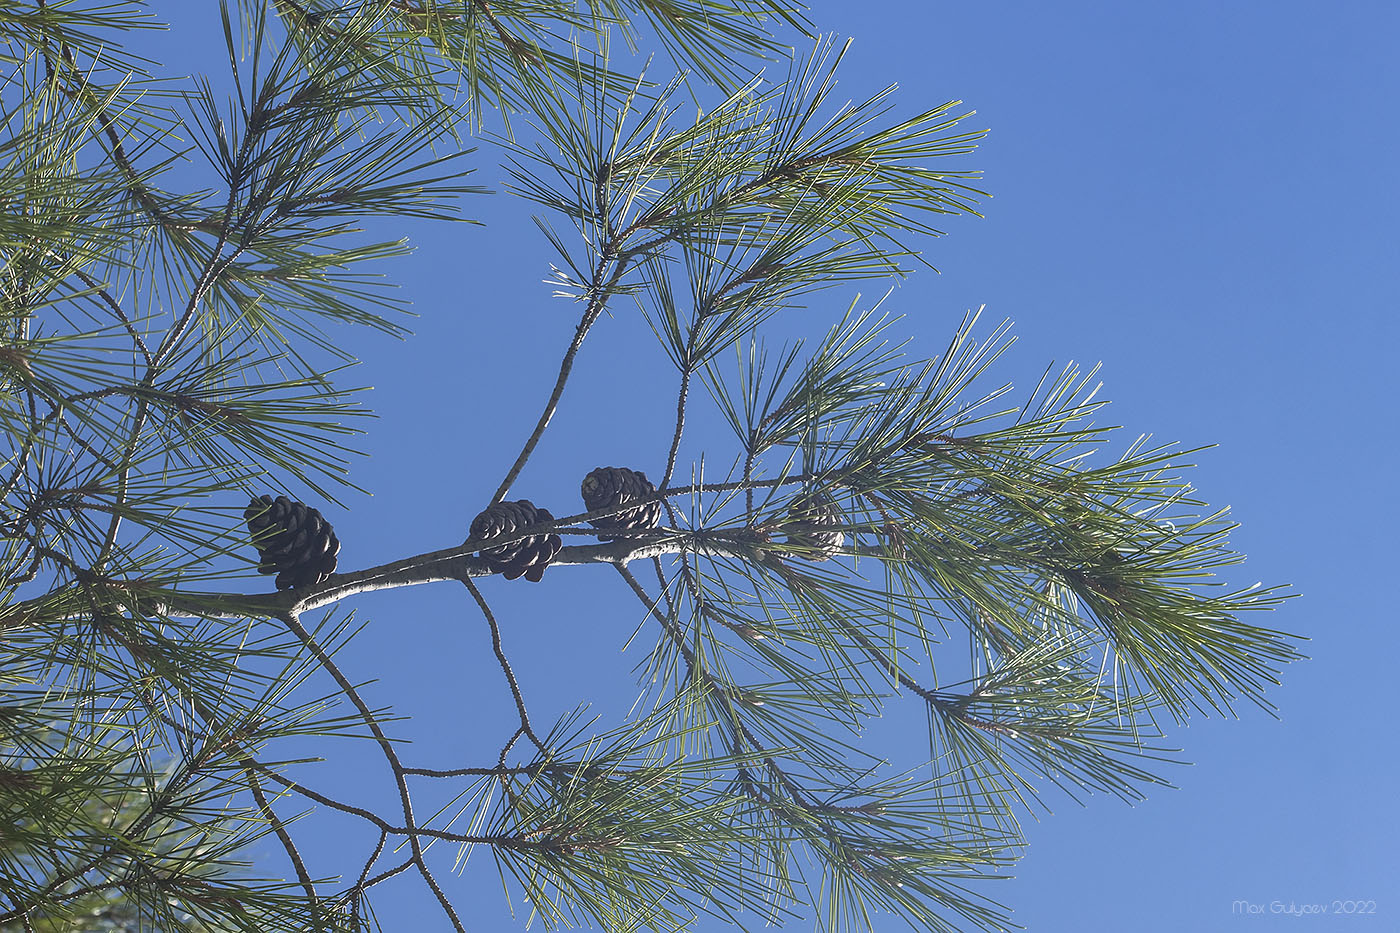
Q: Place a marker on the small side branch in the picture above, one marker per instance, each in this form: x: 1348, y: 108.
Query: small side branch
x: 505, y: 664
x: 604, y: 281
x: 280, y: 829
x: 411, y: 829
x: 682, y: 397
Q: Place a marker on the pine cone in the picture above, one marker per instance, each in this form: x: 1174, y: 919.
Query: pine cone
x: 607, y: 486
x: 528, y: 556
x: 813, y: 527
x: 293, y: 541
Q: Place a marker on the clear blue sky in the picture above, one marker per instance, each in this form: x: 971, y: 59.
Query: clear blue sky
x: 1202, y: 195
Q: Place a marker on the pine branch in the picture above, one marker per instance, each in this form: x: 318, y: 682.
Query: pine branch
x: 610, y: 270
x: 161, y: 351
x: 411, y: 830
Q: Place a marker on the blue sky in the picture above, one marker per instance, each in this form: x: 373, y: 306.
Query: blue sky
x: 1201, y: 195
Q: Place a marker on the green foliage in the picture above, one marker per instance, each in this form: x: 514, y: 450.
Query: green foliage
x: 172, y: 258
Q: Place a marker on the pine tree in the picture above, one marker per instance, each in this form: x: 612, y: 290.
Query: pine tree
x: 892, y: 529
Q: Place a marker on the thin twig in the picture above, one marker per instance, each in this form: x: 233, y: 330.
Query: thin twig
x: 379, y: 822
x: 505, y: 665
x: 116, y: 309
x: 357, y: 892
x: 682, y: 397
x: 411, y: 830
x: 603, y: 284
x: 388, y: 873
x: 280, y: 829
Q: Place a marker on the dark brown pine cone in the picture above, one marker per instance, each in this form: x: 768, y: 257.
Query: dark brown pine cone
x: 813, y: 527
x: 293, y: 541
x: 527, y: 557
x: 607, y: 486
